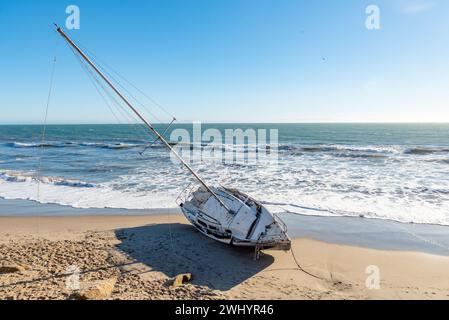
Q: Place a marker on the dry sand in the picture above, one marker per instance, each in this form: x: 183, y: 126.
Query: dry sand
x: 144, y: 252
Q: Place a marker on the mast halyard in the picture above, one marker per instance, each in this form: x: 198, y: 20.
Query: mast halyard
x: 149, y: 125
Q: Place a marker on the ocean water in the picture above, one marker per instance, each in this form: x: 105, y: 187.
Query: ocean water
x: 387, y: 171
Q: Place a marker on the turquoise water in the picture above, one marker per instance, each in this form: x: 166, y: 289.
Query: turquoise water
x: 386, y: 171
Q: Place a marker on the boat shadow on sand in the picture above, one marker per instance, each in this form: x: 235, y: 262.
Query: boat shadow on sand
x: 176, y: 248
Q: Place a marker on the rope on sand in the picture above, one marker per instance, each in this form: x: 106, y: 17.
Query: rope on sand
x: 301, y: 268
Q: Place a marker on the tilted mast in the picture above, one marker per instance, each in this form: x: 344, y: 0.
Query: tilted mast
x: 149, y: 125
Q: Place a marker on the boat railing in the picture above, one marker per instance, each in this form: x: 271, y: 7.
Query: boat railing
x: 188, y: 194
x: 280, y: 222
x: 185, y: 193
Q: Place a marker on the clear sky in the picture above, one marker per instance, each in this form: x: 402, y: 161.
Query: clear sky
x: 233, y: 60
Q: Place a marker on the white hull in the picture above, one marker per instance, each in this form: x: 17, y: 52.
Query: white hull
x: 247, y: 223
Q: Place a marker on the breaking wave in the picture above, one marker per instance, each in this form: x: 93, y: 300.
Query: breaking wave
x: 101, y: 145
x: 80, y: 194
x: 294, y: 149
x: 119, y: 145
x: 11, y: 176
x: 339, y: 148
x: 424, y: 151
x: 36, y: 144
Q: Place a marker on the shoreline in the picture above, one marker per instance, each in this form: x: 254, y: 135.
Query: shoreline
x: 28, y: 209
x: 361, y: 232
x: 142, y: 253
x: 33, y: 208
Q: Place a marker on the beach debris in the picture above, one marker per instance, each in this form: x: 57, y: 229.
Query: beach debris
x: 180, y: 279
x: 12, y: 268
x: 96, y: 290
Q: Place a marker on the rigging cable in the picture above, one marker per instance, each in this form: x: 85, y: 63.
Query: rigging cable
x: 44, y: 129
x: 157, y: 138
x: 96, y: 84
x: 123, y: 111
x: 152, y: 114
x: 129, y: 82
x: 124, y: 88
x: 128, y: 92
x: 94, y: 79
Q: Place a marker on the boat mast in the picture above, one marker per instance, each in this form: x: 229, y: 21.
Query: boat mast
x: 149, y: 125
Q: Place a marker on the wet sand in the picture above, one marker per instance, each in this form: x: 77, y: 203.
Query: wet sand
x: 143, y: 253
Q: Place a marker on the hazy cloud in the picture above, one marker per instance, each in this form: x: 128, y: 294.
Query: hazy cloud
x: 417, y: 6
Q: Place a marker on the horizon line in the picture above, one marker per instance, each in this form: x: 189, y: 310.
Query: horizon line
x: 232, y: 122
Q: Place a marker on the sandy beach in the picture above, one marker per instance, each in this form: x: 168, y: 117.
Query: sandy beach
x: 144, y: 145
x: 141, y: 254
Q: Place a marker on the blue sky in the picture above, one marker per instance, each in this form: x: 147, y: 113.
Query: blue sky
x: 233, y: 60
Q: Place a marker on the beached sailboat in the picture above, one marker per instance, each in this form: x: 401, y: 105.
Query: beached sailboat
x: 226, y: 215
